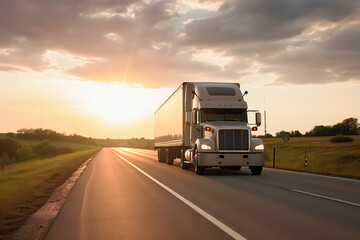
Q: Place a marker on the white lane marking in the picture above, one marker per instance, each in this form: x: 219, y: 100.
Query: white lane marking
x: 132, y: 150
x: 206, y: 215
x: 313, y: 174
x: 325, y: 197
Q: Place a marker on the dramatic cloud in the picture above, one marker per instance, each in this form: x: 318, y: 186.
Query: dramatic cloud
x: 296, y: 41
x: 264, y: 20
x: 162, y: 43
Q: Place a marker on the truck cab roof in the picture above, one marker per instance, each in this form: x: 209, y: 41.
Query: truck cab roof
x: 218, y: 95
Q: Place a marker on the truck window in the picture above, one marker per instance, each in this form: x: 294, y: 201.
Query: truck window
x: 220, y: 91
x: 214, y: 114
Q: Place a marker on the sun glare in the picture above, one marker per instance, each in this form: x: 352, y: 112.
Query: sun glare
x: 115, y: 103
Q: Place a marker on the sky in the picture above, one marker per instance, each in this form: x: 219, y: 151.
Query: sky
x: 100, y: 68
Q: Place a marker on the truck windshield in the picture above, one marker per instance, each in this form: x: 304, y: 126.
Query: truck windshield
x: 214, y: 114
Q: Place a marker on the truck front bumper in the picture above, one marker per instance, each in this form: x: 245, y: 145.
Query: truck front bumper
x: 213, y: 159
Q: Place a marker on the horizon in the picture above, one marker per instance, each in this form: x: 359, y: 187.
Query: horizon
x: 253, y: 133
x: 101, y: 69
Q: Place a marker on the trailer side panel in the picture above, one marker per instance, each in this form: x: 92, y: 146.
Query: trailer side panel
x: 169, y: 121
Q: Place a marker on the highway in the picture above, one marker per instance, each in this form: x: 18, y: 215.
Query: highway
x: 128, y: 194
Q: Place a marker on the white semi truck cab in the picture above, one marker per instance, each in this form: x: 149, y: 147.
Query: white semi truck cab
x: 206, y: 125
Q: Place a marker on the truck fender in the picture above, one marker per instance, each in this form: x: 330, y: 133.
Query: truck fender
x: 255, y: 142
x: 206, y: 141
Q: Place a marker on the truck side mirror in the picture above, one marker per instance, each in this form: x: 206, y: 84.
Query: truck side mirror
x: 258, y: 119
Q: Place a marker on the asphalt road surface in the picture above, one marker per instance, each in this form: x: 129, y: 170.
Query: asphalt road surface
x: 128, y: 194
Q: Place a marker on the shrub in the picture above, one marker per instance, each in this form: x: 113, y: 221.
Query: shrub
x: 341, y: 139
x: 8, y: 147
x: 46, y: 149
x: 24, y: 152
x: 285, y: 136
x: 7, y: 160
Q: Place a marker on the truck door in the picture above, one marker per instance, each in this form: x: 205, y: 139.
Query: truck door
x: 195, y: 129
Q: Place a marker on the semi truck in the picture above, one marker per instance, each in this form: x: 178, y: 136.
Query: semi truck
x: 205, y: 124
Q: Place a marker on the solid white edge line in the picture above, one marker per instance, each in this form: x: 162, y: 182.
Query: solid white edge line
x: 325, y: 197
x: 206, y: 215
x: 312, y: 174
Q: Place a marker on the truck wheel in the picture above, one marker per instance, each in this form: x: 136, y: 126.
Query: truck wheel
x: 198, y: 170
x: 182, y: 160
x: 161, y: 155
x: 169, y: 157
x: 256, y: 170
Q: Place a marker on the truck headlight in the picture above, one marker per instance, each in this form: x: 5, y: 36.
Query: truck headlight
x: 205, y: 147
x: 259, y: 147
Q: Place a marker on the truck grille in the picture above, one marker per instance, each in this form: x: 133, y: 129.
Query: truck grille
x: 233, y: 139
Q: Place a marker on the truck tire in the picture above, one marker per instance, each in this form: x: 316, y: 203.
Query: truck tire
x: 183, y: 164
x: 198, y: 170
x: 256, y: 170
x: 159, y: 154
x: 169, y: 157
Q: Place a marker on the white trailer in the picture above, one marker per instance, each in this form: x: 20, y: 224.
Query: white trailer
x: 206, y: 125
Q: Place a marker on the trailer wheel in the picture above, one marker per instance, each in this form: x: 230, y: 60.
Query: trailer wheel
x: 184, y: 165
x: 198, y: 170
x: 169, y: 157
x: 161, y: 155
x: 256, y: 170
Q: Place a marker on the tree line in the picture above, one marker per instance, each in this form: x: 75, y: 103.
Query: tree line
x: 349, y: 126
x: 39, y: 134
x: 13, y: 151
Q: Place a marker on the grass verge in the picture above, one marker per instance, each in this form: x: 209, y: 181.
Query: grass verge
x: 324, y: 157
x: 26, y: 186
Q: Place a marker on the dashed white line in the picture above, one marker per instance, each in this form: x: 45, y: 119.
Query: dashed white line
x: 326, y: 197
x: 206, y: 215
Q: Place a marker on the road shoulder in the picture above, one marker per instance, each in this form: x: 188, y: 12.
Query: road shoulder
x: 38, y: 224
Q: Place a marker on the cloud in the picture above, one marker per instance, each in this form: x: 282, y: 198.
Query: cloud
x: 299, y: 42
x: 330, y: 56
x: 163, y: 43
x: 264, y: 20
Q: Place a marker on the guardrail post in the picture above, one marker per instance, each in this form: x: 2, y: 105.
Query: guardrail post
x: 274, y: 158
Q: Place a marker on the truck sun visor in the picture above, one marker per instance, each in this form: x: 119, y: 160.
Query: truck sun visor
x: 220, y: 91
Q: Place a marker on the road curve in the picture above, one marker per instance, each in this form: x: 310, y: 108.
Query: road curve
x: 127, y: 194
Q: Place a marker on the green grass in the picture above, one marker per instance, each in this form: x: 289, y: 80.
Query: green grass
x: 25, y: 186
x: 76, y: 146
x: 325, y: 157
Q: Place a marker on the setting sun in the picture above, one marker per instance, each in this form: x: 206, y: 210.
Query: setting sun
x: 115, y: 104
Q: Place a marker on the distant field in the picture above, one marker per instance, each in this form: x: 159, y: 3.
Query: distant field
x: 25, y: 186
x: 76, y: 146
x: 341, y: 159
